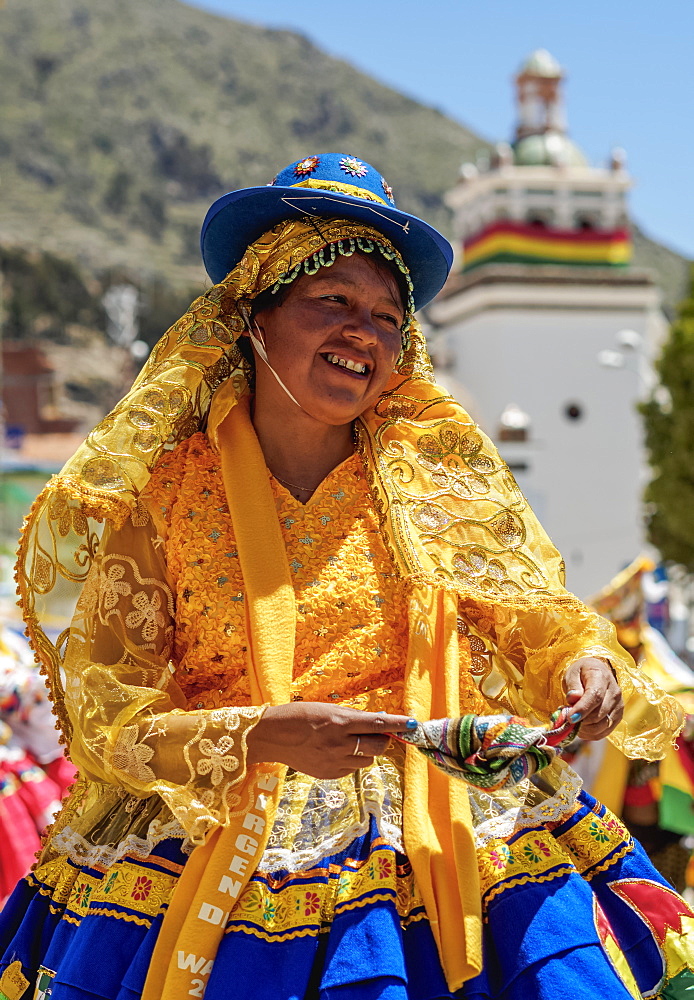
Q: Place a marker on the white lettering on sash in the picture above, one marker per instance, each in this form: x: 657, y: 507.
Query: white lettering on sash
x: 191, y: 962
x: 238, y: 864
x: 256, y: 824
x: 196, y: 965
x: 200, y: 966
x: 246, y: 844
x: 212, y: 914
x: 268, y: 782
x: 230, y: 885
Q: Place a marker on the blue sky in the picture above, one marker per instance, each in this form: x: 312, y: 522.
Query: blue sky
x: 630, y: 78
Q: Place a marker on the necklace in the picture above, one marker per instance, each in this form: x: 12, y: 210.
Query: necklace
x: 307, y: 489
x: 295, y: 486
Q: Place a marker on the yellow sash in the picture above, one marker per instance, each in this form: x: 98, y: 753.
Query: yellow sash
x: 438, y: 830
x: 437, y: 821
x: 217, y: 872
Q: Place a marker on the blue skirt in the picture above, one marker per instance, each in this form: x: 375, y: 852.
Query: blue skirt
x: 571, y: 910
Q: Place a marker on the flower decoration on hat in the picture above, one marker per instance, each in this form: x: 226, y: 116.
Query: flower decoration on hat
x: 351, y: 165
x: 341, y: 185
x: 305, y: 167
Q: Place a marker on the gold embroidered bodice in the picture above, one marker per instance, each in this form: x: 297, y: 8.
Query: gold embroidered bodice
x: 351, y: 642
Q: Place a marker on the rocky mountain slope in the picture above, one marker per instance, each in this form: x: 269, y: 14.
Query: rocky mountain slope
x: 121, y: 121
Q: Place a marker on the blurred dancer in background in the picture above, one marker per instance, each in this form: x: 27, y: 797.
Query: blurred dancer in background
x: 34, y: 774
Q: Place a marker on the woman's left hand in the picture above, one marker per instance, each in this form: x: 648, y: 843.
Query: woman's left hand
x: 593, y: 692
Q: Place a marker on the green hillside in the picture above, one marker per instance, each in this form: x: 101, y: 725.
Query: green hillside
x: 673, y: 270
x: 121, y: 120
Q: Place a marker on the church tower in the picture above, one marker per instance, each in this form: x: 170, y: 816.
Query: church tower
x: 539, y: 93
x: 543, y: 292
x: 538, y: 201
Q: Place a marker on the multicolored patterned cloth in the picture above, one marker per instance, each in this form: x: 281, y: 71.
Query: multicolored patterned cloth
x: 491, y: 751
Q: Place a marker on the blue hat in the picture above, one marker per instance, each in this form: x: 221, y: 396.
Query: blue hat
x: 328, y: 184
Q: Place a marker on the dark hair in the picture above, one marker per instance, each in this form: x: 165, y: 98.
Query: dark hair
x: 396, y: 274
x: 265, y: 300
x: 271, y: 298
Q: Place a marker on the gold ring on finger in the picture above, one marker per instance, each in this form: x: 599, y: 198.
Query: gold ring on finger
x: 357, y: 751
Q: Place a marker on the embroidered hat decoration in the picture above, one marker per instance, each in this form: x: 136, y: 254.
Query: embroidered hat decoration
x: 325, y: 184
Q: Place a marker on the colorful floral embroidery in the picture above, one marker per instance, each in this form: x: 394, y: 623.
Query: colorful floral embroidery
x: 527, y: 859
x: 351, y: 165
x: 138, y: 891
x: 110, y: 882
x: 590, y: 842
x: 542, y: 847
x: 502, y: 856
x: 270, y: 908
x: 282, y: 908
x: 594, y: 842
x: 598, y: 832
x: 531, y: 854
x: 388, y: 190
x: 142, y: 888
x: 312, y: 903
x: 82, y: 895
x: 385, y: 867
x: 307, y: 166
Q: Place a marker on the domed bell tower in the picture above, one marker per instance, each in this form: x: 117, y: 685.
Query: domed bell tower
x: 543, y: 287
x: 538, y: 87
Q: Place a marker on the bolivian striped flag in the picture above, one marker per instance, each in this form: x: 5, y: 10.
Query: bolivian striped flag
x: 676, y: 806
x: 521, y: 243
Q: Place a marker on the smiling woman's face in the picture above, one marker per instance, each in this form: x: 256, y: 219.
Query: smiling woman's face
x: 333, y: 341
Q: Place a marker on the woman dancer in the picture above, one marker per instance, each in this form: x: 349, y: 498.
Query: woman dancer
x: 308, y: 547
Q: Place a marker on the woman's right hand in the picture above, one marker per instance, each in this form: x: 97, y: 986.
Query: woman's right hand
x: 320, y: 739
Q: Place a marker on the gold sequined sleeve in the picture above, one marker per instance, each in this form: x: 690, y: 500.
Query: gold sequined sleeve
x: 130, y: 726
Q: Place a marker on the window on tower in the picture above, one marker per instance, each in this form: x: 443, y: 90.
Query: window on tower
x: 514, y: 424
x: 586, y: 221
x: 541, y: 219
